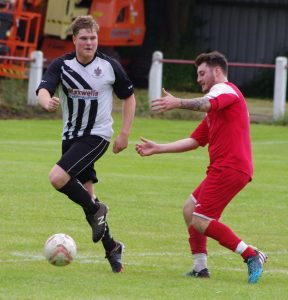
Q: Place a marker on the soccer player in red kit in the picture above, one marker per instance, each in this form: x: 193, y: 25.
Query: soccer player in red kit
x: 226, y: 131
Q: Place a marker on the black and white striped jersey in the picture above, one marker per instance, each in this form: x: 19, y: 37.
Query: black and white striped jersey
x: 86, y: 93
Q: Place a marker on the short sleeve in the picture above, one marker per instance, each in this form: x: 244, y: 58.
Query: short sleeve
x: 221, y: 95
x: 51, y: 77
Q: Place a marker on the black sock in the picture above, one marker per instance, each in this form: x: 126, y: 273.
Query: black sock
x: 78, y: 194
x: 108, y: 242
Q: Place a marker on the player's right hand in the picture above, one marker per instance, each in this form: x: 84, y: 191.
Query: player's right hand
x: 53, y: 104
x: 146, y: 148
x: 167, y: 102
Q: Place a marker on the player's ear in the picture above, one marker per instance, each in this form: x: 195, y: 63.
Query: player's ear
x: 216, y: 71
x: 219, y: 70
x: 74, y: 39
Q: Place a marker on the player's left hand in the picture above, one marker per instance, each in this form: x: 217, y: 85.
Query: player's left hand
x: 165, y: 103
x: 120, y: 143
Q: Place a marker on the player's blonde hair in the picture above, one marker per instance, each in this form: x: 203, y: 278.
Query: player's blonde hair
x: 84, y: 22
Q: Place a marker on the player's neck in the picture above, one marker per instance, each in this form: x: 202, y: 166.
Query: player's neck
x: 84, y: 60
x: 221, y: 79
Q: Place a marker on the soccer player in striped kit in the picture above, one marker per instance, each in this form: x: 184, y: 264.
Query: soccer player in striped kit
x: 87, y: 79
x: 226, y: 131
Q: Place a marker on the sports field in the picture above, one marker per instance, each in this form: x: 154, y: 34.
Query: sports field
x: 145, y: 197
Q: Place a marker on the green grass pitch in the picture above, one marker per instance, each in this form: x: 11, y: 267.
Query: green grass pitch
x: 145, y: 196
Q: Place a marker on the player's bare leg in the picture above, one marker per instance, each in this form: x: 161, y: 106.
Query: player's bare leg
x: 75, y: 191
x: 197, y: 242
x: 226, y: 237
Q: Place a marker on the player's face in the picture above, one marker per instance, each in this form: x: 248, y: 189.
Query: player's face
x: 86, y: 43
x: 206, y: 77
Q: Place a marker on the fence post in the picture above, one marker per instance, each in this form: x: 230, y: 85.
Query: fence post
x: 35, y: 76
x: 155, y: 76
x: 280, y: 82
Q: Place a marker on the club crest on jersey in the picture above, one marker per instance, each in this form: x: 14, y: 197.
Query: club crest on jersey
x: 98, y: 72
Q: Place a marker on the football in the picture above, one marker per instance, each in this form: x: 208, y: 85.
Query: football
x: 60, y: 249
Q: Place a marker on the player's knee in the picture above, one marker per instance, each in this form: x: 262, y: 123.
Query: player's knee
x: 188, y: 208
x: 187, y: 212
x: 53, y: 178
x: 56, y: 179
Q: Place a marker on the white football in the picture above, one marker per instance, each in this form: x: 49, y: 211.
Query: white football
x: 60, y: 249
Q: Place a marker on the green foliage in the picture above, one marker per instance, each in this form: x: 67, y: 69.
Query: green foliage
x: 13, y: 93
x: 265, y: 80
x: 260, y: 110
x: 13, y: 101
x: 180, y: 77
x: 282, y: 121
x: 145, y: 196
x: 142, y: 106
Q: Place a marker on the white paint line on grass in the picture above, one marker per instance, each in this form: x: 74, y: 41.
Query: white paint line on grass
x: 99, y: 259
x: 91, y: 260
x: 143, y: 254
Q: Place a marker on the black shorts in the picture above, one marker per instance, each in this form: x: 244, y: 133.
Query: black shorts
x: 79, y: 156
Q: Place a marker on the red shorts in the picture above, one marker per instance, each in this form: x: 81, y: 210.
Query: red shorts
x: 217, y: 190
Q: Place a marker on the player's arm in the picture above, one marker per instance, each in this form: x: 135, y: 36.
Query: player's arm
x: 48, y: 85
x: 46, y: 101
x: 128, y: 113
x: 148, y: 147
x: 169, y: 102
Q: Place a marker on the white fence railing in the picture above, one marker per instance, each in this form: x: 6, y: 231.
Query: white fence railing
x: 280, y: 80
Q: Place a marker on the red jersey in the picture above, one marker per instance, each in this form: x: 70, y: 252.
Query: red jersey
x: 226, y: 129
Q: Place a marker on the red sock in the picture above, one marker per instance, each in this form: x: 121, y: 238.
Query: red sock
x: 197, y: 241
x: 223, y: 234
x: 248, y: 253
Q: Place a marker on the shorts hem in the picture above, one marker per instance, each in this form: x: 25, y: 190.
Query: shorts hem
x: 202, y: 216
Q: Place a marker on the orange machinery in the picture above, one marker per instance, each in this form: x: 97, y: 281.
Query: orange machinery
x: 28, y: 25
x: 19, y: 34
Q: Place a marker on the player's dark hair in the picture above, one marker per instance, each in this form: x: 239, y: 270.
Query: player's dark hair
x: 84, y: 22
x: 213, y: 59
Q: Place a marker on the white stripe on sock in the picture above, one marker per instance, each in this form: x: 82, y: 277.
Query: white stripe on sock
x: 241, y: 247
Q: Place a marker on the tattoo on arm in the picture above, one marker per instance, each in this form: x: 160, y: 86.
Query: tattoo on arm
x: 196, y: 104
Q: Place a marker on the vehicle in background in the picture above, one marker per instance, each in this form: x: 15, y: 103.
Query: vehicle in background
x: 29, y: 25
